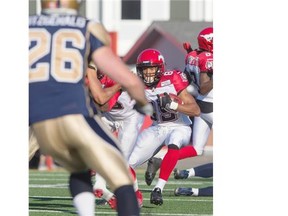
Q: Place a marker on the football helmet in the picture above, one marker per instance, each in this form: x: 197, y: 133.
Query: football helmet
x: 150, y: 58
x: 68, y: 4
x: 205, y: 39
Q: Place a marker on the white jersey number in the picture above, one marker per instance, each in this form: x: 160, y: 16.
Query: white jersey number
x: 161, y: 115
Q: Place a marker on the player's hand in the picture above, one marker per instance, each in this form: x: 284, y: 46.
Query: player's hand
x: 147, y: 109
x: 166, y: 102
x: 187, y: 47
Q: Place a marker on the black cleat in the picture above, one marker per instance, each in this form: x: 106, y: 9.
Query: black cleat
x: 156, y: 197
x: 153, y: 166
x: 180, y: 174
x: 183, y: 192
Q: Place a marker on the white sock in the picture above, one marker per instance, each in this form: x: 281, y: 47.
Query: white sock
x: 100, y: 182
x: 107, y: 195
x: 160, y: 184
x: 191, y: 172
x: 85, y: 204
x: 195, y: 191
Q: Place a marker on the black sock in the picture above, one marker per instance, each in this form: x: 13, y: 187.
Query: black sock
x: 207, y: 191
x: 205, y: 170
x: 80, y: 182
x: 127, y: 204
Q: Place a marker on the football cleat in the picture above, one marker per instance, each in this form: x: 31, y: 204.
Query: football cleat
x: 98, y: 193
x: 112, y: 202
x: 153, y: 166
x: 183, y: 192
x: 156, y: 197
x: 139, y: 196
x: 181, y: 174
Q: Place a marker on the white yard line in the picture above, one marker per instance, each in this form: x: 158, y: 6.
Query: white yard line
x: 109, y: 213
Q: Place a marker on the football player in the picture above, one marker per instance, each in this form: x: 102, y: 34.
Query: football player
x: 199, y: 65
x: 199, y: 70
x: 166, y: 91
x: 120, y: 117
x: 60, y: 113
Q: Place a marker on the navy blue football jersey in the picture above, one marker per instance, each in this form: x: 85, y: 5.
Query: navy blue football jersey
x: 59, y: 48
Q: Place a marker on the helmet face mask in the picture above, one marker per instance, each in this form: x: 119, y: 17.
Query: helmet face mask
x: 205, y: 39
x: 150, y: 75
x: 150, y: 66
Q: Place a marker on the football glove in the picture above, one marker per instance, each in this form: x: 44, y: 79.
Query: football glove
x: 166, y: 102
x: 187, y: 47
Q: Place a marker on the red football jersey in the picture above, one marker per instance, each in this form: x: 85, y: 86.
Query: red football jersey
x: 175, y: 77
x: 202, y: 60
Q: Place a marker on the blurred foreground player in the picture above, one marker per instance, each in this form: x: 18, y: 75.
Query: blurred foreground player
x: 61, y: 42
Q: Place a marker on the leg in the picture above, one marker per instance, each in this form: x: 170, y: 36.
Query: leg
x: 100, y: 190
x: 147, y: 142
x: 177, y: 137
x: 154, y: 164
x: 73, y: 143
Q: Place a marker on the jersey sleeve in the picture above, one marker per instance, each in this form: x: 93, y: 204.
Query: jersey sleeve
x: 206, y: 63
x: 107, y: 81
x: 179, y: 80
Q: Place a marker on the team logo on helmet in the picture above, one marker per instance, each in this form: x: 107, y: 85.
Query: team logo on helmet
x: 208, y: 37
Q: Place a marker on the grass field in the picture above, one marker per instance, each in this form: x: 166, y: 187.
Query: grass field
x: 49, y: 195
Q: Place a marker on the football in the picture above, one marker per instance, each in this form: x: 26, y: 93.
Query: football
x: 175, y: 98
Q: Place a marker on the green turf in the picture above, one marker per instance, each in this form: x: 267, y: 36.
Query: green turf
x: 49, y: 195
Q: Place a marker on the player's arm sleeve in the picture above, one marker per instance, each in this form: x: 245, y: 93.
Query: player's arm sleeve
x: 206, y: 65
x: 180, y: 81
x: 206, y: 75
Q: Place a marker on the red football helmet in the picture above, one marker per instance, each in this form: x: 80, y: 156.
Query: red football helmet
x: 150, y: 58
x: 205, y: 39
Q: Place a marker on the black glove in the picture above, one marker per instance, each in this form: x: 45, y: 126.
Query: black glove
x: 145, y: 110
x: 167, y: 103
x: 164, y: 101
